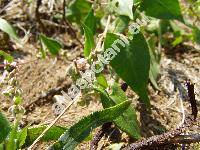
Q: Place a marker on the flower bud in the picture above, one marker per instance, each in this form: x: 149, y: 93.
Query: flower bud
x: 12, y: 81
x: 19, y: 91
x: 8, y: 91
x: 16, y: 109
x: 82, y: 64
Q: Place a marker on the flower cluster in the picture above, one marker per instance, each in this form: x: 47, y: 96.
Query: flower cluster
x: 85, y: 79
x: 12, y: 90
x: 88, y: 76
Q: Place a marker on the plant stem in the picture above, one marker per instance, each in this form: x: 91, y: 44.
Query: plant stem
x: 102, y: 36
x: 12, y: 143
x: 53, y: 122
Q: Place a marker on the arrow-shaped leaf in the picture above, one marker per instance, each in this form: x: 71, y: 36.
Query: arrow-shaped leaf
x: 52, y: 45
x: 132, y: 63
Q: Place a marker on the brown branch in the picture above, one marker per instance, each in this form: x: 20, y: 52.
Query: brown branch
x: 187, y: 139
x: 191, y: 95
x: 64, y: 10
x: 105, y: 128
x: 2, y: 66
x: 163, y: 139
x: 174, y: 136
x: 96, y: 139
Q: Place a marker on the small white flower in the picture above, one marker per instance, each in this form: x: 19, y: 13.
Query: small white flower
x: 3, y: 77
x: 82, y: 64
x: 11, y: 109
x: 19, y: 91
x: 16, y: 109
x: 5, y: 62
x: 9, y: 90
x: 12, y: 81
x: 13, y: 64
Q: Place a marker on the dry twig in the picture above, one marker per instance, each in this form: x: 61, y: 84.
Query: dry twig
x: 192, y: 100
x: 105, y: 128
x: 171, y: 137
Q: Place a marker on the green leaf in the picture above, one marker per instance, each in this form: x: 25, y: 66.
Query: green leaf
x: 52, y: 45
x: 102, y: 80
x: 1, y: 147
x: 162, y: 9
x: 12, y: 144
x: 154, y: 64
x: 22, y: 137
x: 127, y: 121
x: 178, y: 30
x: 152, y: 77
x: 120, y: 24
x: 4, y: 127
x: 90, y: 21
x: 6, y: 56
x: 43, y: 53
x: 89, y: 40
x: 177, y: 41
x: 78, y: 132
x: 196, y: 35
x: 132, y: 63
x: 17, y: 99
x: 7, y: 28
x: 51, y: 135
x: 78, y: 10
